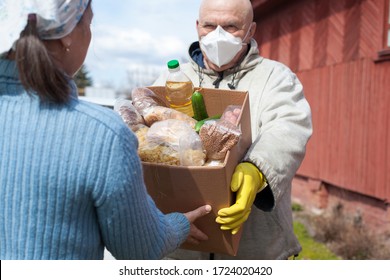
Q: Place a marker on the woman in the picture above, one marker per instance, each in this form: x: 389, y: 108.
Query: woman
x: 71, y: 182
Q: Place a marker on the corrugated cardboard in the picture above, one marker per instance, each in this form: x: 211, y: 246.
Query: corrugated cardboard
x: 182, y: 189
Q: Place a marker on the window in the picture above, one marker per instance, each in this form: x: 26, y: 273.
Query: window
x: 387, y: 25
x: 384, y: 54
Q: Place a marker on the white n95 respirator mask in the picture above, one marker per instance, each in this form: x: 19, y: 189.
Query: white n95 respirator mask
x: 220, y: 46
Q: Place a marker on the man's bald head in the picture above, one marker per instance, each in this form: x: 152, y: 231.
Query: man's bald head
x: 235, y: 17
x: 243, y: 8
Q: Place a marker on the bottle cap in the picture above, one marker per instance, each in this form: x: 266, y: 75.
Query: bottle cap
x: 172, y: 64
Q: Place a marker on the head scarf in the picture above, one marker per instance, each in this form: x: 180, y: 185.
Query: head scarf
x: 55, y: 18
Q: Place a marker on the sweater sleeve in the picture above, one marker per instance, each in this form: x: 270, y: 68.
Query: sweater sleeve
x: 131, y: 225
x: 283, y: 119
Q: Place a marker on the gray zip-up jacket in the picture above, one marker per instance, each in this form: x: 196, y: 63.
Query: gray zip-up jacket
x: 281, y: 127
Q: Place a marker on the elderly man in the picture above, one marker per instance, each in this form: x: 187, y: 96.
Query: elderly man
x: 227, y: 57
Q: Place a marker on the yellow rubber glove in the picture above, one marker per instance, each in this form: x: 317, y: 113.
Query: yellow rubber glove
x: 247, y: 181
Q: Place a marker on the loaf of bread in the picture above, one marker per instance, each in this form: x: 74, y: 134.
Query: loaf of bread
x: 159, y: 113
x: 143, y: 99
x: 129, y: 114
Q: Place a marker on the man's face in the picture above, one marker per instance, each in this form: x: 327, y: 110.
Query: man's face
x: 232, y: 20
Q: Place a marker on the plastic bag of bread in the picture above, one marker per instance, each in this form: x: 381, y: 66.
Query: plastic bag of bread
x: 159, y: 113
x: 172, y: 142
x: 144, y: 99
x: 218, y: 137
x: 129, y: 114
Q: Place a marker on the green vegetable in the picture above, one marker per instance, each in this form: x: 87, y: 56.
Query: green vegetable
x: 198, y: 106
x: 199, y: 124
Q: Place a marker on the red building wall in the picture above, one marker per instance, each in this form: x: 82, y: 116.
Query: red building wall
x: 333, y: 45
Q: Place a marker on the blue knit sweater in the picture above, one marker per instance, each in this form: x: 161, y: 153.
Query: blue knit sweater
x: 71, y: 183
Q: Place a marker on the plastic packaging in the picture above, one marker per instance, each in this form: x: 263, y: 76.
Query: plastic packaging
x: 159, y: 113
x: 129, y: 114
x: 218, y: 137
x: 143, y: 99
x: 231, y: 114
x: 172, y: 142
x: 179, y: 89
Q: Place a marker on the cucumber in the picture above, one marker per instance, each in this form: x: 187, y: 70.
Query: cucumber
x: 198, y: 106
x: 199, y: 124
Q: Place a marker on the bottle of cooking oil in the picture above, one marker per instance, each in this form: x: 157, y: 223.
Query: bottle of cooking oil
x: 179, y: 89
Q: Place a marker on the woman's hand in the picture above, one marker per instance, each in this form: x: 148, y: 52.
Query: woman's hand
x: 196, y: 235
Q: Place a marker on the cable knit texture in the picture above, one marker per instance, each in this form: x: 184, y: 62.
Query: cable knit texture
x: 71, y: 183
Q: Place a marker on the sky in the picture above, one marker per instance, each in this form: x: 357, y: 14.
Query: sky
x: 133, y: 40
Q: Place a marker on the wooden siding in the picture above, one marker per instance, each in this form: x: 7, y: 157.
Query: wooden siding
x: 332, y: 45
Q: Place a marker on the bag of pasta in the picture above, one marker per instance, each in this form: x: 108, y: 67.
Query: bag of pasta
x: 172, y: 142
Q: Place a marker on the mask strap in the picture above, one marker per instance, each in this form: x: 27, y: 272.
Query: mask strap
x: 247, y: 33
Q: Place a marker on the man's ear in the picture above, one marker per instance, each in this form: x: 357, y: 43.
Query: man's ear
x: 253, y: 29
x: 197, y: 28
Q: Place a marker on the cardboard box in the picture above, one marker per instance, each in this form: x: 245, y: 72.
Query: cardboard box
x: 179, y: 188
